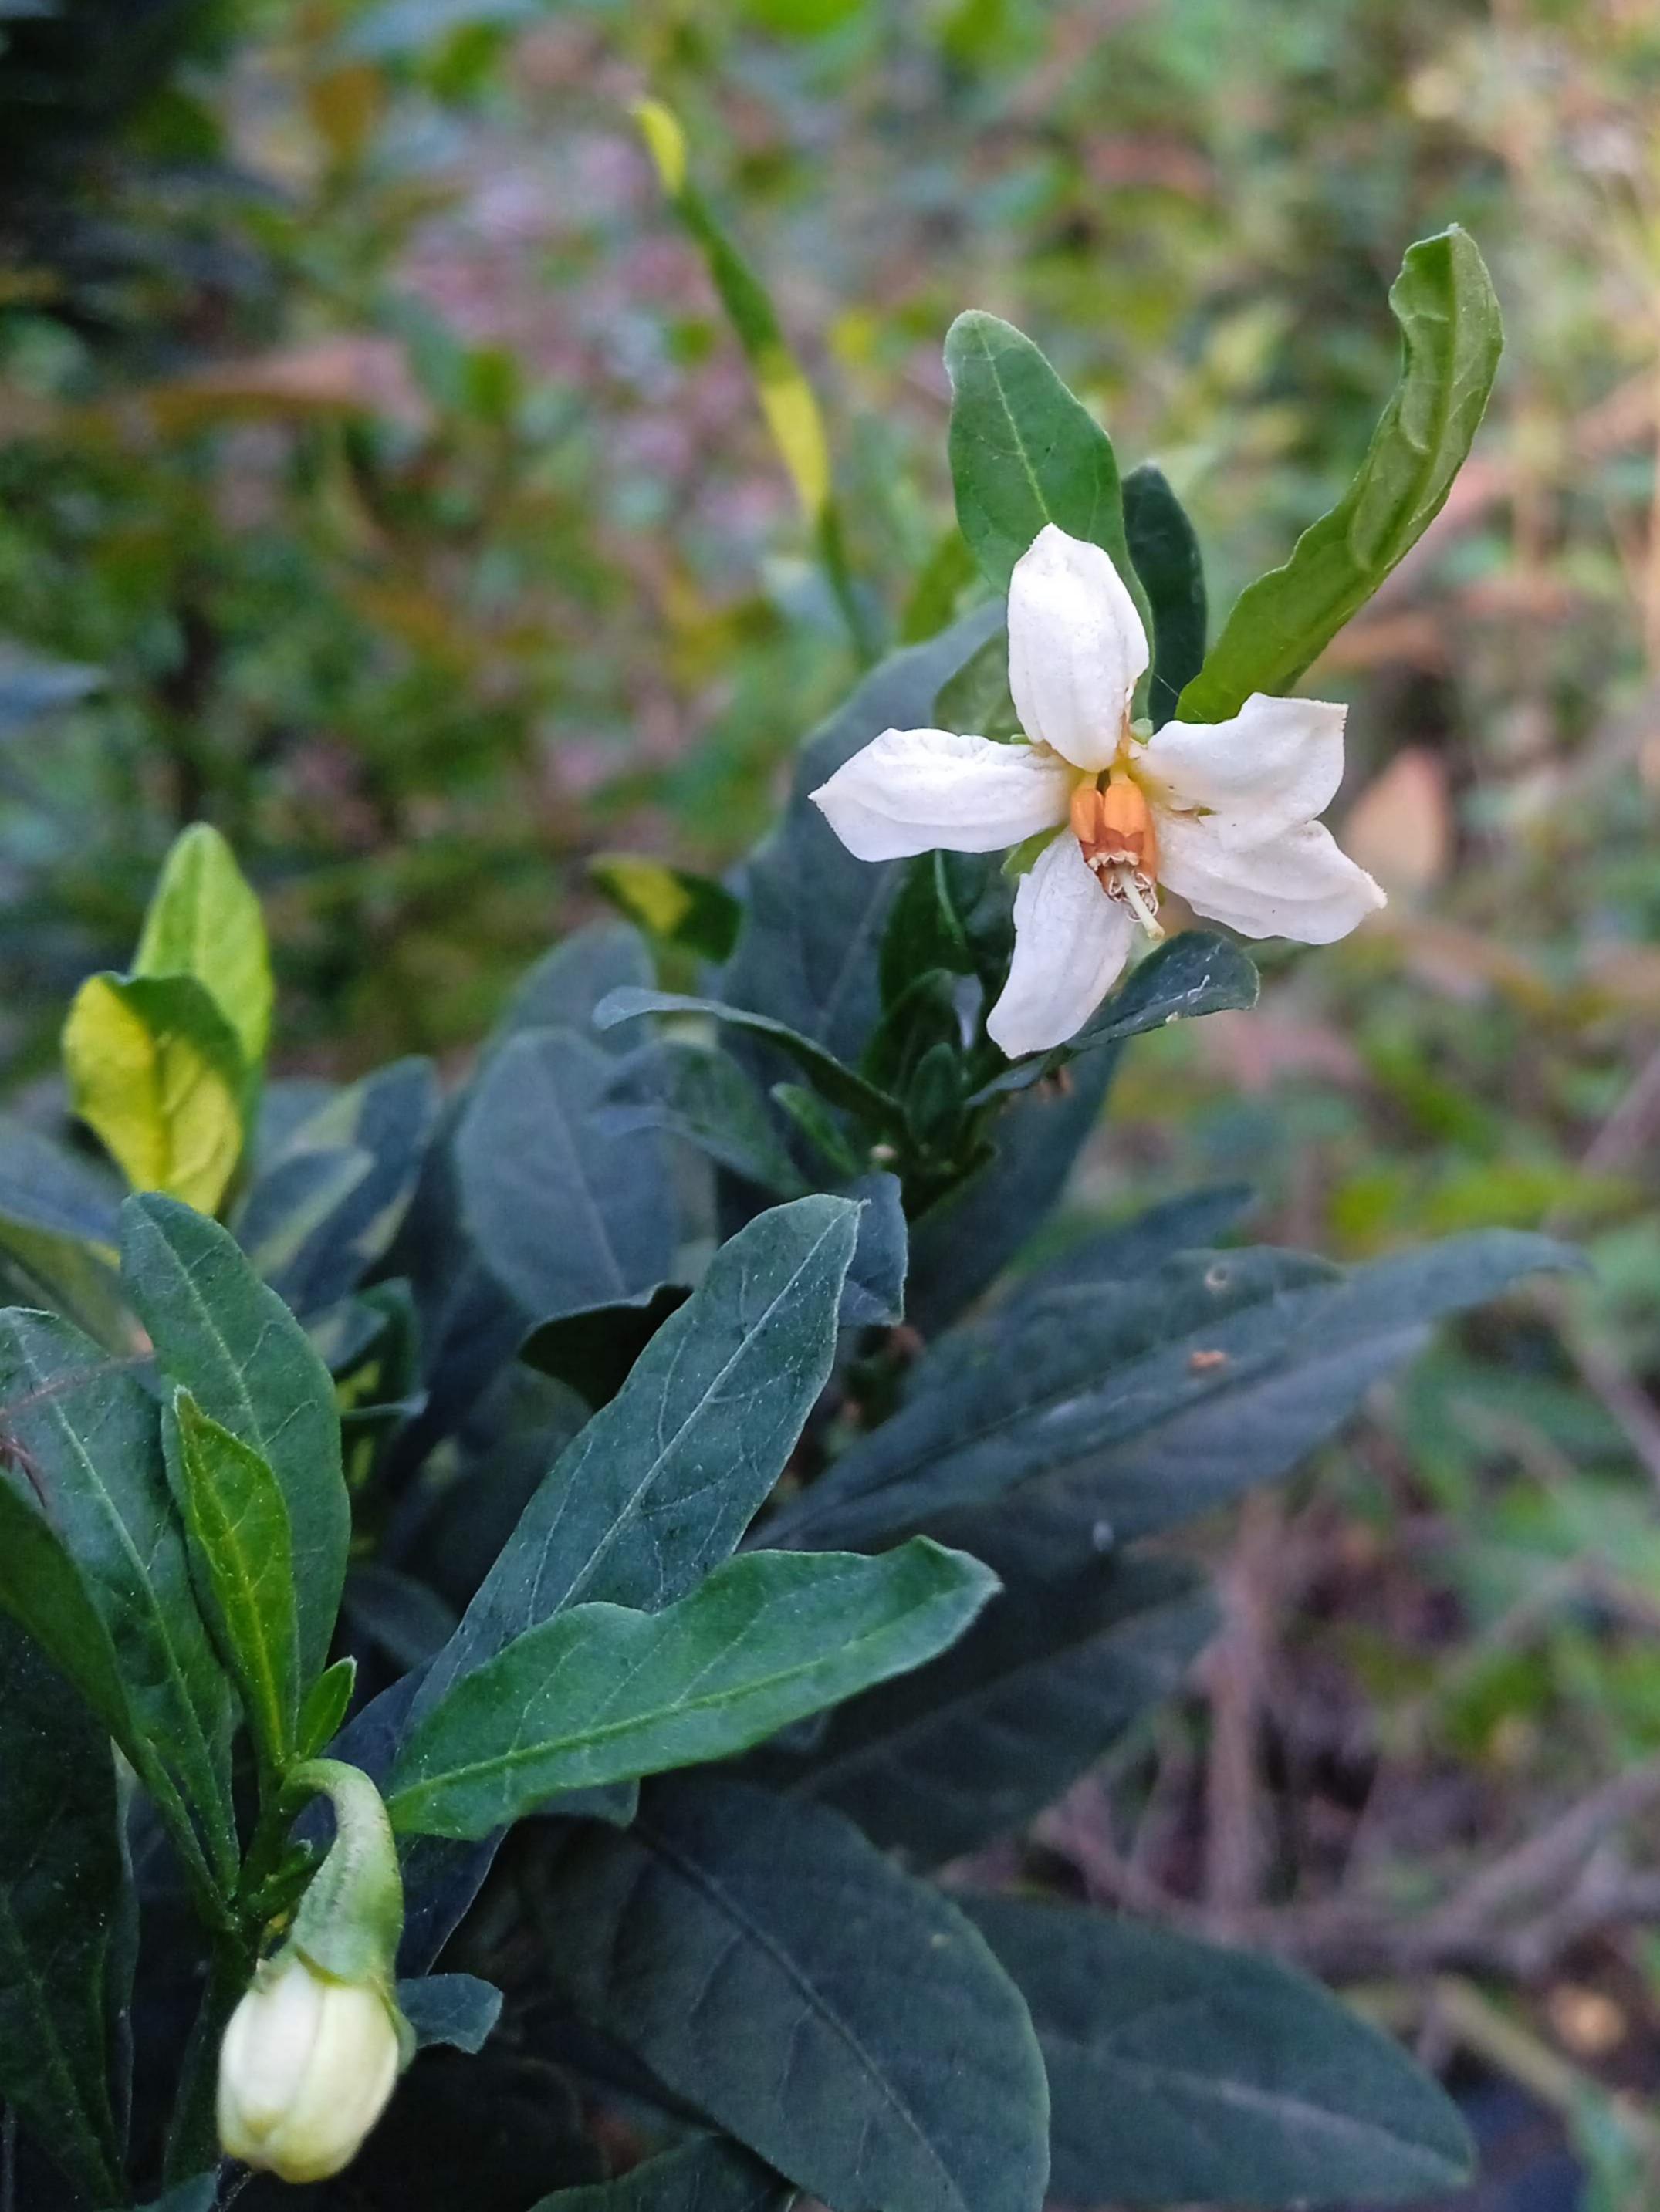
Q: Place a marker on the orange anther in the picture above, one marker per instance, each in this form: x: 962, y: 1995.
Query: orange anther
x: 1115, y: 828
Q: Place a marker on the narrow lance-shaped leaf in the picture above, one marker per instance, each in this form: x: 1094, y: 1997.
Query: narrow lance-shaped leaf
x: 1164, y: 549
x: 241, y: 1545
x: 204, y: 921
x: 233, y: 1345
x: 659, y: 1487
x: 155, y: 1072
x: 1025, y: 452
x: 787, y: 398
x: 94, y: 1564
x: 1451, y: 335
x: 64, y: 1968
x: 1180, y: 2072
x: 601, y: 1695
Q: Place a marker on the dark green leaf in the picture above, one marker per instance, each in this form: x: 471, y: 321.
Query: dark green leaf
x: 1451, y: 338
x: 67, y: 1276
x: 328, y: 1202
x: 233, y: 1345
x: 963, y: 1243
x: 407, y: 1619
x: 660, y: 1485
x: 841, y: 1086
x: 562, y: 989
x: 601, y: 1695
x: 874, y: 1292
x: 241, y: 1549
x: 934, y: 597
x: 807, y: 1112
x: 924, y: 929
x: 700, y: 1094
x: 64, y: 1964
x: 691, y: 911
x: 1134, y: 1247
x: 978, y: 699
x: 1180, y: 2071
x: 769, y: 1965
x: 564, y: 1210
x: 458, y: 2009
x: 94, y: 1565
x: 946, y: 1759
x: 1024, y: 453
x: 1142, y: 1402
x: 1165, y: 550
x: 1197, y: 973
x: 707, y: 2174
x: 593, y: 1351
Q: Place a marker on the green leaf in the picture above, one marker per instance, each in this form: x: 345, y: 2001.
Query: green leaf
x: 840, y: 1086
x: 1179, y: 2071
x: 1451, y: 338
x: 93, y: 1564
x: 962, y: 1244
x: 601, y: 1695
x: 776, y: 1971
x: 65, y: 1961
x: 565, y: 986
x: 1141, y: 1401
x: 707, y: 2174
x: 564, y: 1210
x: 324, y: 1707
x: 945, y: 576
x: 660, y: 1485
x: 978, y: 699
x: 242, y: 1548
x: 700, y: 1094
x: 327, y: 1203
x: 154, y: 1070
x: 1024, y: 453
x: 456, y: 2009
x: 1165, y: 550
x: 204, y: 921
x: 1197, y: 973
x: 1061, y: 1663
x: 233, y: 1345
x: 681, y: 909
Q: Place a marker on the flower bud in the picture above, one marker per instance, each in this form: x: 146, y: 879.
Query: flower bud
x: 305, y: 2070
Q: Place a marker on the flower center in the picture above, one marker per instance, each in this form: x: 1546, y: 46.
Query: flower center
x: 1115, y: 832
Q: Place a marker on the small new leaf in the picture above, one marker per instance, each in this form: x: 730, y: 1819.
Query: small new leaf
x: 155, y: 1072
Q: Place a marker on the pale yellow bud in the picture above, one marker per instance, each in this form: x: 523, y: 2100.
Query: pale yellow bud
x: 305, y: 2070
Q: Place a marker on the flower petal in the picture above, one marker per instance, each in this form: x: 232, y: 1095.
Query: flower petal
x: 1071, y: 942
x: 1076, y: 647
x: 1297, y: 884
x: 1278, y: 762
x: 925, y: 791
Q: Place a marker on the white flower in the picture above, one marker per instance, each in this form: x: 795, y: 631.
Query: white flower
x: 1222, y: 813
x: 305, y: 2070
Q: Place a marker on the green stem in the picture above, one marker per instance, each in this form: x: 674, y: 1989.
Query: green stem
x: 193, y: 2131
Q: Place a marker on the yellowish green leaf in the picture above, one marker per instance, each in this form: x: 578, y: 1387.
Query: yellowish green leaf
x: 155, y: 1072
x: 204, y: 921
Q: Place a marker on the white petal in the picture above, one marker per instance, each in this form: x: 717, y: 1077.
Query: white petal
x: 1071, y: 942
x: 1277, y: 763
x: 925, y: 791
x: 1076, y: 647
x: 1296, y: 885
